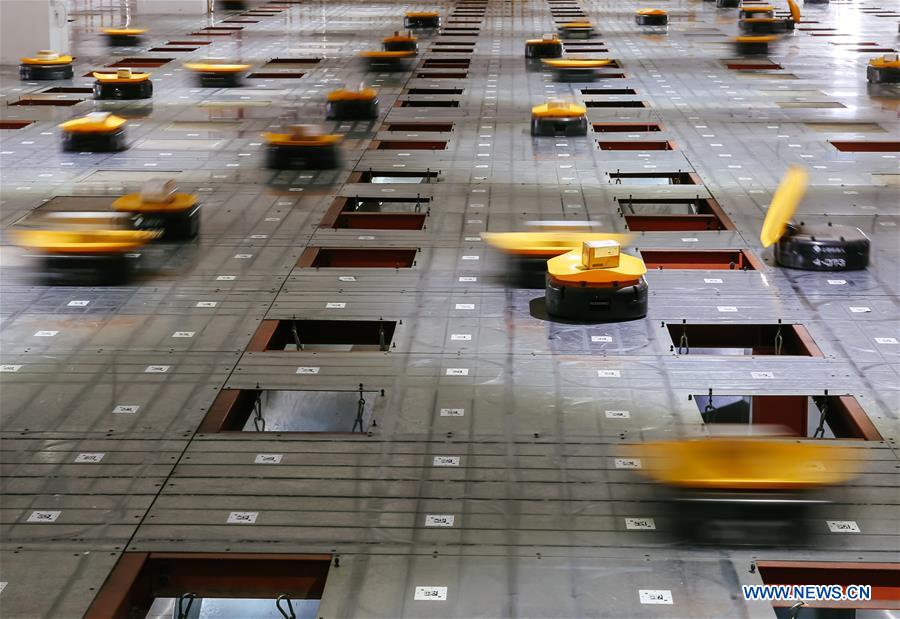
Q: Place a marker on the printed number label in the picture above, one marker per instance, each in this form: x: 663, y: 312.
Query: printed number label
x: 45, y: 333
x: 267, y: 459
x: 439, y: 520
x: 445, y: 461
x: 860, y: 310
x: 207, y: 303
x: 655, y: 596
x: 226, y: 278
x: 307, y: 370
x: 10, y: 368
x: 712, y: 280
x: 126, y: 409
x: 727, y: 308
x: 762, y: 374
x: 628, y: 463
x: 89, y: 458
x: 842, y: 526
x: 468, y: 279
x: 78, y: 303
x: 461, y: 337
x: 618, y: 415
x: 837, y: 282
x: 156, y: 369
x: 453, y: 412
x: 431, y: 594
x: 184, y: 334
x: 690, y: 240
x: 335, y: 305
x: 457, y: 372
x: 886, y: 340
x: 609, y: 373
x: 465, y: 306
x: 601, y: 338
x: 347, y: 278
x: 640, y: 524
x: 43, y: 516
x: 242, y: 518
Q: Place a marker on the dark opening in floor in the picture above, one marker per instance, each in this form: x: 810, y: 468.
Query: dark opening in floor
x: 806, y: 416
x: 420, y: 127
x: 742, y: 339
x: 635, y: 145
x: 323, y: 335
x: 615, y: 104
x: 654, y: 178
x: 434, y: 91
x: 358, y: 258
x: 393, y: 176
x: 427, y: 103
x: 228, y: 584
x: 408, y: 145
x: 700, y: 259
x: 673, y: 214
x: 14, y: 124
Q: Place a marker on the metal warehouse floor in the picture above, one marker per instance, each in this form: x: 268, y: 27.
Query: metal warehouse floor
x: 527, y: 409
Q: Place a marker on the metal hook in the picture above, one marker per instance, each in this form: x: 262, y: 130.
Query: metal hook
x: 296, y: 334
x: 779, y: 339
x: 360, y: 409
x: 709, y: 410
x: 180, y: 611
x: 795, y: 610
x: 683, y: 342
x: 289, y: 613
x: 258, y: 422
x: 820, y: 430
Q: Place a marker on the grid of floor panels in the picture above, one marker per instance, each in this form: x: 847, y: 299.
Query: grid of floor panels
x: 480, y: 408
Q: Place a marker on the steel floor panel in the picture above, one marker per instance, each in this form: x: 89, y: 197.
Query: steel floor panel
x: 99, y: 421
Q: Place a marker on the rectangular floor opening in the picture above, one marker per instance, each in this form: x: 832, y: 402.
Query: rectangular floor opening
x: 654, y: 178
x: 625, y: 127
x: 701, y: 259
x: 742, y: 339
x: 323, y: 335
x: 71, y: 90
x: 865, y: 147
x: 434, y: 91
x: 608, y: 91
x: 673, y: 214
x: 615, y: 104
x: 225, y: 585
x: 421, y: 127
x: 881, y: 577
x: 294, y: 61
x: 393, y: 176
x: 277, y: 75
x: 442, y: 75
x: 408, y: 145
x: 377, y: 213
x: 427, y: 103
x: 358, y: 258
x: 14, y: 124
x: 635, y: 145
x: 36, y: 101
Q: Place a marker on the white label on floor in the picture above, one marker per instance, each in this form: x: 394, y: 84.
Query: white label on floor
x: 89, y: 458
x: 307, y: 370
x: 226, y: 278
x: 156, y: 369
x: 207, y: 303
x: 473, y: 238
x: 762, y: 374
x: 886, y: 340
x: 726, y: 308
x: 365, y: 238
x: 601, y: 338
x: 837, y: 282
x: 860, y: 310
x: 45, y: 333
x: 609, y: 373
x: 618, y: 414
x: 10, y: 368
x: 439, y: 520
x: 2, y: 586
x: 471, y: 257
x: 690, y: 240
x: 184, y: 334
x: 628, y: 463
x: 460, y: 337
x: 712, y: 280
x: 77, y: 303
x: 445, y: 461
x: 126, y: 409
x: 335, y: 305
x: 457, y: 372
x: 431, y: 594
x: 242, y: 518
x: 243, y: 256
x: 42, y: 516
x: 640, y: 524
x: 268, y: 459
x: 842, y: 526
x: 347, y: 278
x: 453, y: 412
x: 655, y: 596
x: 468, y: 279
